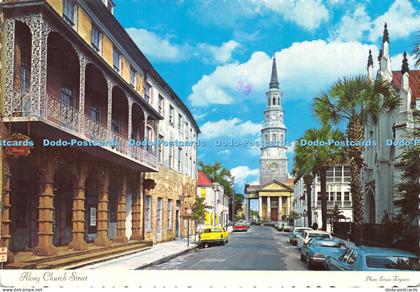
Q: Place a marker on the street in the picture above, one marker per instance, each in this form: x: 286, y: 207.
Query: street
x: 261, y: 248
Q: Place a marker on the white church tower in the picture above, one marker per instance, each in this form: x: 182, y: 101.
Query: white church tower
x: 273, y: 161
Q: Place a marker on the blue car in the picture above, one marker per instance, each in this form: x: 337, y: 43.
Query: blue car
x: 316, y: 251
x: 367, y: 258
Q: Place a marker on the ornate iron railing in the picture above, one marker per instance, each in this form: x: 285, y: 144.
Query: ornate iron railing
x: 63, y: 115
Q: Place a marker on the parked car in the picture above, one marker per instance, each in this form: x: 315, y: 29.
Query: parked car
x: 279, y: 225
x: 213, y: 235
x: 316, y: 250
x: 367, y: 258
x: 296, y: 231
x: 241, y: 226
x: 287, y: 227
x: 268, y: 223
x: 308, y: 234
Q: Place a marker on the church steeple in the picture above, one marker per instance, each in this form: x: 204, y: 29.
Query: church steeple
x: 274, y: 82
x: 385, y: 37
x: 404, y: 68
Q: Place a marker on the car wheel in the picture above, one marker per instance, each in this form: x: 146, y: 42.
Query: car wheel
x: 309, y: 264
x: 302, y: 258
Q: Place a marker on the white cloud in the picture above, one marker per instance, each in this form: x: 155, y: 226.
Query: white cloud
x: 243, y: 173
x: 308, y: 14
x: 352, y: 25
x: 218, y: 54
x: 155, y: 46
x: 309, y: 65
x: 396, y: 62
x: 402, y: 19
x: 229, y: 128
x: 291, y: 147
x: 224, y: 152
x: 162, y: 48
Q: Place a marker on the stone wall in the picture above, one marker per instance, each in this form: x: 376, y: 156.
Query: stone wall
x: 170, y: 185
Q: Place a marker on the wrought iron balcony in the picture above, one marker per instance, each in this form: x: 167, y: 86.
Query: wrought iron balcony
x: 53, y: 111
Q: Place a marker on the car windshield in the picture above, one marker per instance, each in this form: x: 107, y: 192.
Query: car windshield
x: 217, y: 230
x: 299, y: 232
x: 320, y: 235
x: 331, y: 244
x: 393, y: 262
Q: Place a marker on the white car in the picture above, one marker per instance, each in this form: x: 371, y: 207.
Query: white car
x: 308, y: 234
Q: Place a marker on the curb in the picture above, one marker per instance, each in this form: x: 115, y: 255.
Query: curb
x: 167, y: 258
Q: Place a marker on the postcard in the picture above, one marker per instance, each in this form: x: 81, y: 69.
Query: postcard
x: 228, y: 144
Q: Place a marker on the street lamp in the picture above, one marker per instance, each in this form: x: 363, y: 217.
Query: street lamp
x: 189, y: 212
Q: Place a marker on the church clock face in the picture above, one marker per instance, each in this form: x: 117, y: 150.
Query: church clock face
x: 273, y: 166
x: 273, y: 117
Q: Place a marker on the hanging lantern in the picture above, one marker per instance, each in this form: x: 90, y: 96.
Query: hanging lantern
x: 17, y: 145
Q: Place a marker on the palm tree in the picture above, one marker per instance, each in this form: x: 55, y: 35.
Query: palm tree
x: 303, y: 166
x: 317, y: 159
x: 416, y: 50
x: 356, y: 100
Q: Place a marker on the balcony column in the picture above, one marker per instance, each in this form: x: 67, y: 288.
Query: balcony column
x: 40, y: 31
x: 78, y: 212
x: 110, y: 85
x: 82, y: 89
x: 102, y: 228
x: 130, y: 117
x: 121, y: 210
x: 146, y: 138
x: 5, y: 218
x: 280, y: 208
x: 268, y: 208
x: 136, y: 221
x: 47, y: 162
x: 10, y: 28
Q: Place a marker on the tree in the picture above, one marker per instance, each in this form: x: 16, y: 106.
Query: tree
x: 239, y: 200
x: 408, y: 189
x: 320, y: 158
x: 416, y: 50
x: 356, y: 100
x: 217, y: 173
x: 292, y: 217
x: 198, y: 211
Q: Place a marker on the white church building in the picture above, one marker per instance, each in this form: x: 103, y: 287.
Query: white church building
x: 381, y: 175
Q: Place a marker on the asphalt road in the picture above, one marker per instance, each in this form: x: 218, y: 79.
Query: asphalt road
x: 260, y: 248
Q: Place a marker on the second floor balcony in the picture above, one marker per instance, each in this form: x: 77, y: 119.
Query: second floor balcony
x: 51, y: 80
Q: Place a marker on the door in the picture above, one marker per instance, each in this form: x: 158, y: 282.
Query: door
x: 159, y: 220
x: 177, y: 220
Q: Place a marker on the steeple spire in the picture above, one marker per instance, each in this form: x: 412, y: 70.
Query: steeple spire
x: 370, y: 59
x: 381, y: 53
x: 274, y: 82
x: 385, y: 37
x: 404, y: 68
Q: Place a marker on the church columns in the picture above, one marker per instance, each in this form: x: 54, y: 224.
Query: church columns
x: 280, y: 208
x: 288, y: 206
x: 268, y: 208
x: 260, y: 207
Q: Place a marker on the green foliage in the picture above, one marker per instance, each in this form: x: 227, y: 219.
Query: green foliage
x: 293, y: 216
x: 218, y: 173
x: 198, y: 209
x: 408, y: 189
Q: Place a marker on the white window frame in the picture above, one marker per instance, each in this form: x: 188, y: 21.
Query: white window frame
x: 148, y: 223
x: 98, y: 48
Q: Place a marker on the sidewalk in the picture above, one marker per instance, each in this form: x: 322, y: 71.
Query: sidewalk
x: 160, y: 252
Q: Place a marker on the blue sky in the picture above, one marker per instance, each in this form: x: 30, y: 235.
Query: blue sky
x: 216, y: 54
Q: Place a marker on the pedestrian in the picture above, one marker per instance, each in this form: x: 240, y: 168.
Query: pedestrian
x: 315, y: 226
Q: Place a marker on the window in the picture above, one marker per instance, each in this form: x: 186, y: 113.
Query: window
x: 95, y: 114
x: 347, y: 174
x: 346, y: 196
x: 330, y: 175
x: 148, y: 93
x: 179, y: 123
x: 338, y: 173
x: 338, y: 196
x: 186, y: 129
x: 25, y: 78
x: 169, y: 214
x: 179, y: 158
x: 159, y: 216
x: 161, y: 104
x: 148, y: 213
x: 319, y: 196
x: 69, y: 8
x: 171, y: 115
x: 132, y: 77
x: 116, y: 57
x: 171, y: 158
x: 67, y: 97
x: 116, y: 127
x: 161, y: 153
x: 96, y: 39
